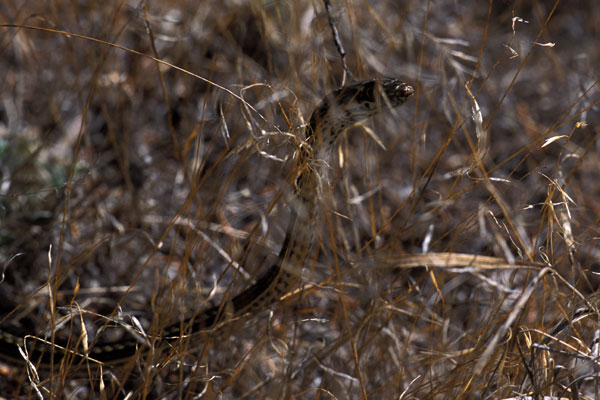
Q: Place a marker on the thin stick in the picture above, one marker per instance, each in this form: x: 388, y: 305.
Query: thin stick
x: 338, y: 42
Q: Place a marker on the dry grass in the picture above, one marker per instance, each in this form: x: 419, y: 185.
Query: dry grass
x: 442, y: 264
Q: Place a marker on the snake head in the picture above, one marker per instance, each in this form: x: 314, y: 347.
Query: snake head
x: 353, y: 103
x: 396, y: 91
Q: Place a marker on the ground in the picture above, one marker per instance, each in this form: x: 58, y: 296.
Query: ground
x: 147, y: 149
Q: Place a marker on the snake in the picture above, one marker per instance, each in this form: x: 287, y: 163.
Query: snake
x: 337, y: 111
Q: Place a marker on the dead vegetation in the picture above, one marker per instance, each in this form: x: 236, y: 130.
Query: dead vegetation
x: 458, y: 262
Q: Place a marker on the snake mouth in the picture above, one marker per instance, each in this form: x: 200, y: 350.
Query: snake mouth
x: 407, y: 91
x: 396, y: 91
x: 403, y: 91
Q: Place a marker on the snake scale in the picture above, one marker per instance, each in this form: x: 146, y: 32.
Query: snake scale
x: 337, y: 111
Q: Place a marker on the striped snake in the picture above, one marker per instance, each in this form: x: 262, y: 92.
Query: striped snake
x: 339, y: 110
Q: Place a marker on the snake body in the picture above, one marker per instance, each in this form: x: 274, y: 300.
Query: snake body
x: 339, y: 110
